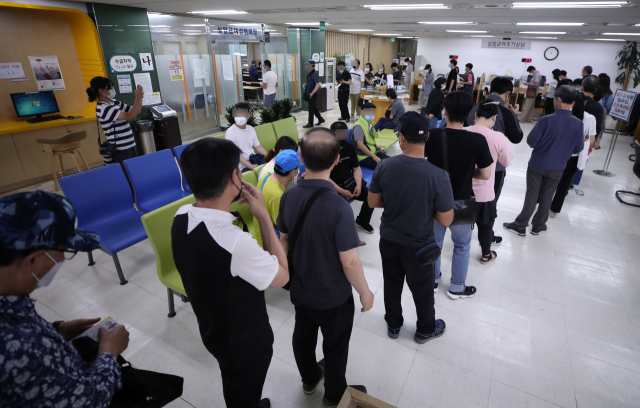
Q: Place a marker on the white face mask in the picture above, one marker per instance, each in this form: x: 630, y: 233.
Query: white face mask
x: 380, y: 70
x: 48, y: 277
x: 366, y: 70
x: 111, y: 94
x: 240, y: 120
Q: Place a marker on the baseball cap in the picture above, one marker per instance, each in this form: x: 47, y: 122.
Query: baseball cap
x: 287, y: 160
x: 413, y: 124
x: 368, y: 105
x: 38, y: 219
x: 310, y: 62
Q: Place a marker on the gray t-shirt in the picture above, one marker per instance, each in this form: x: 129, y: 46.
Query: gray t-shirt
x: 397, y: 110
x: 412, y: 190
x: 536, y: 78
x: 358, y: 135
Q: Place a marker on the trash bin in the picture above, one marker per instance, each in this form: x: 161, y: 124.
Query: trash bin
x: 145, y: 131
x: 167, y: 133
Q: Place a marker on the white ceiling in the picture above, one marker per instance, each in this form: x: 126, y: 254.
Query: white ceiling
x: 497, y: 18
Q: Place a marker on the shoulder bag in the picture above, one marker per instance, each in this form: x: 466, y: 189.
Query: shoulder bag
x: 464, y: 211
x: 106, y: 149
x: 532, y: 92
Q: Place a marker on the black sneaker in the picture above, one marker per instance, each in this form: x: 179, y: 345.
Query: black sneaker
x: 320, y: 122
x: 468, y: 292
x: 511, y: 227
x: 365, y: 227
x: 496, y: 241
x: 538, y: 230
x: 264, y: 403
x: 393, y: 333
x: 331, y: 404
x: 308, y: 125
x: 423, y: 338
x: 435, y: 288
x: 310, y: 389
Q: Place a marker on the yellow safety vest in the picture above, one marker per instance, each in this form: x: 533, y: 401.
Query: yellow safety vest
x: 369, y: 139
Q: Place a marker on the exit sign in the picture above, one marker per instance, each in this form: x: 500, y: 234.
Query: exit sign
x: 393, y: 39
x: 322, y: 26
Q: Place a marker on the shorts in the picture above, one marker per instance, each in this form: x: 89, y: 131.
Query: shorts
x: 269, y: 99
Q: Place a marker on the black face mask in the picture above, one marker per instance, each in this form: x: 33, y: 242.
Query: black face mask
x: 239, y: 191
x: 342, y: 142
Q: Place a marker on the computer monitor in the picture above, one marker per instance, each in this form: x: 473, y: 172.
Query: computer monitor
x: 34, y: 103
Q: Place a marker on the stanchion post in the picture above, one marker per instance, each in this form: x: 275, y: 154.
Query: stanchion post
x: 604, y: 172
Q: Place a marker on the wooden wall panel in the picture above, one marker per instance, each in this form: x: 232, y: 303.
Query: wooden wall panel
x: 10, y: 167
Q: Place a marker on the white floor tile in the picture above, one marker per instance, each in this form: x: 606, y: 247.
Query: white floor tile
x: 503, y: 396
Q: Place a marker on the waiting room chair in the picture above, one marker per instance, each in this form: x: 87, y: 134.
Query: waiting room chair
x: 155, y: 179
x: 104, y: 204
x: 636, y: 171
x: 286, y: 127
x: 57, y: 146
x: 177, y: 151
x: 266, y: 136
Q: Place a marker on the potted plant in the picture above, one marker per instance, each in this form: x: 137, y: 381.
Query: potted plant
x: 229, y: 116
x: 628, y: 65
x: 268, y: 116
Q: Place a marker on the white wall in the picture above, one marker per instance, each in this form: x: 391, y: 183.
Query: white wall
x: 573, y: 55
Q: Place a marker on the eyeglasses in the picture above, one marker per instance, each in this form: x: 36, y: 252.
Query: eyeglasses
x: 69, y: 254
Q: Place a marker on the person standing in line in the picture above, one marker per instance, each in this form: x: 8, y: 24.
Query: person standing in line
x: 253, y: 72
x: 562, y: 79
x: 357, y: 83
x: 468, y: 157
x: 269, y: 84
x: 317, y: 231
x: 407, y: 72
x: 577, y: 160
x: 113, y: 116
x: 427, y: 85
x: 589, y: 86
x: 397, y: 74
x: 343, y: 82
x: 311, y: 88
x: 553, y: 84
x: 469, y: 79
x: 484, y: 190
x: 452, y: 78
x: 395, y: 111
x: 407, y: 244
x: 244, y: 136
x: 607, y: 102
x: 532, y: 93
x: 225, y: 272
x: 364, y: 138
x: 587, y: 71
x: 435, y: 104
x: 553, y: 139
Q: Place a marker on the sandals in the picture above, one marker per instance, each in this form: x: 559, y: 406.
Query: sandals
x: 486, y: 258
x: 596, y: 147
x: 362, y: 243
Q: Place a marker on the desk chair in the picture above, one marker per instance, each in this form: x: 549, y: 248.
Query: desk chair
x: 57, y: 146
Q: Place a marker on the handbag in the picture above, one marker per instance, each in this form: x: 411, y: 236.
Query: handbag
x: 106, y: 149
x: 532, y: 92
x: 464, y: 211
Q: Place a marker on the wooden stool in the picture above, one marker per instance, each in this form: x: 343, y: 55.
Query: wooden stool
x: 57, y: 146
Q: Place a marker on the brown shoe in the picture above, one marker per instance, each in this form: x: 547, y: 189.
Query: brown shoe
x: 328, y: 404
x: 310, y: 389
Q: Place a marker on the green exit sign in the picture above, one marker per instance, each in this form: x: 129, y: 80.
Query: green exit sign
x: 393, y: 39
x: 322, y: 26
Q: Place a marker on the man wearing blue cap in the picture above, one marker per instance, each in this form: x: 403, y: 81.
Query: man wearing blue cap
x: 311, y: 89
x: 39, y: 367
x: 274, y: 185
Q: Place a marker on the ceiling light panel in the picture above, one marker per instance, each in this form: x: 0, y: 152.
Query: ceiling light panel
x: 550, y: 24
x: 218, y: 12
x: 445, y: 22
x: 543, y: 32
x: 604, y: 39
x: 406, y: 7
x: 569, y: 4
x: 354, y: 30
x: 620, y: 33
x: 465, y: 31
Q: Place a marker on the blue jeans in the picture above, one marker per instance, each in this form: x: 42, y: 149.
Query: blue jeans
x: 433, y: 123
x: 384, y: 123
x: 461, y: 236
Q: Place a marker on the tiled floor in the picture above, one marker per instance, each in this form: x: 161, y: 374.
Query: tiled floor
x: 556, y: 321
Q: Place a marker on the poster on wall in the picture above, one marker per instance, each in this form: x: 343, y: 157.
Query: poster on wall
x: 316, y: 57
x: 146, y: 63
x: 227, y: 71
x: 175, y: 70
x: 150, y: 97
x: 47, y: 72
x: 11, y: 70
x: 124, y: 84
x: 122, y: 63
x: 622, y: 104
x: 289, y: 63
x: 507, y: 44
x: 199, y: 71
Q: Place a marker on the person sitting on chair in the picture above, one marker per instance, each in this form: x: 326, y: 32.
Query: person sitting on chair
x: 364, y: 138
x: 392, y: 115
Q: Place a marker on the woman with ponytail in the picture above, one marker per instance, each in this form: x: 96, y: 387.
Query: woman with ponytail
x: 113, y: 116
x: 284, y: 143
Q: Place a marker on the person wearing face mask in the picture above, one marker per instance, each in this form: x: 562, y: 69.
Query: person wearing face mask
x: 408, y: 69
x: 40, y: 366
x: 531, y: 94
x: 435, y: 104
x: 311, y: 88
x: 357, y: 83
x: 369, y: 78
x: 343, y: 82
x: 244, y: 136
x: 113, y: 116
x: 452, y: 78
x: 427, y: 85
x: 380, y: 76
x: 224, y: 270
x: 397, y: 74
x: 486, y: 116
x: 364, y: 138
x: 393, y: 114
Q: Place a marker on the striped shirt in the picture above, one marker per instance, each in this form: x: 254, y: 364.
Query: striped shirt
x: 116, y: 131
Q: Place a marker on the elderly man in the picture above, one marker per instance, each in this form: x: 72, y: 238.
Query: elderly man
x: 364, y: 138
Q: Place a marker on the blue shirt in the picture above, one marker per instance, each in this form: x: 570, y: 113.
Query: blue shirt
x: 253, y: 74
x: 554, y: 139
x: 39, y: 368
x: 312, y: 79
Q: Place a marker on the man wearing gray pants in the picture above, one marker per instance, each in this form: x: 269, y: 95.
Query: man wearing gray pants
x: 554, y: 139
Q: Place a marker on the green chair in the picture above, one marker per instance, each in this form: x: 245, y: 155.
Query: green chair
x: 219, y: 136
x: 286, y: 127
x: 244, y: 210
x: 158, y: 224
x: 266, y: 136
x: 386, y: 138
x: 257, y: 171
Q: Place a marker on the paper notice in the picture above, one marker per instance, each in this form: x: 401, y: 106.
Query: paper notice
x: 199, y: 71
x: 47, y: 72
x: 11, y: 70
x: 124, y: 84
x: 227, y: 70
x: 144, y: 80
x: 175, y: 70
x: 321, y: 70
x: 146, y: 61
x: 108, y: 323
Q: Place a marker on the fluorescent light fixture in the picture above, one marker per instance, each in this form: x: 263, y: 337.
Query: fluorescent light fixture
x: 482, y: 36
x: 408, y: 37
x: 355, y: 29
x: 269, y: 29
x: 313, y: 23
x: 194, y: 25
x: 569, y: 4
x: 154, y: 15
x: 604, y: 39
x: 158, y: 26
x: 543, y: 38
x: 620, y: 33
x: 170, y: 35
x: 550, y: 24
x: 218, y: 12
x: 465, y: 31
x: 191, y: 31
x: 445, y: 22
x: 386, y: 34
x: 406, y: 6
x: 543, y: 32
x: 246, y: 24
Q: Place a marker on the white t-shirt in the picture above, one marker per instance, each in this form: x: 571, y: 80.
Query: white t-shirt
x: 357, y: 76
x: 589, y: 122
x: 246, y: 139
x: 270, y: 78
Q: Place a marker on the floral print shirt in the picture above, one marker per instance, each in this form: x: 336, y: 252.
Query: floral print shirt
x: 39, y: 368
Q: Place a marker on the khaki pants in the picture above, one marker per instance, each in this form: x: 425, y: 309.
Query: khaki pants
x: 355, y: 108
x: 527, y: 111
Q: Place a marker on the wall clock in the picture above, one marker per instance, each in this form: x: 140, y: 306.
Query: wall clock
x: 551, y: 53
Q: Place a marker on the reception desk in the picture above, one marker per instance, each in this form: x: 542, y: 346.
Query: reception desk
x: 381, y: 104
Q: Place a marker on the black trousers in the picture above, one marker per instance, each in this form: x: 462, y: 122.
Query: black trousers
x: 336, y: 325
x: 497, y: 185
x: 242, y: 387
x: 343, y: 102
x: 549, y: 107
x: 400, y: 261
x: 564, y: 184
x: 121, y: 155
x: 313, y: 110
x: 365, y: 211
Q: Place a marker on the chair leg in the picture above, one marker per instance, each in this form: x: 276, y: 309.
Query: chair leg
x: 91, y: 262
x: 172, y: 308
x: 83, y: 160
x: 54, y: 173
x: 73, y: 154
x: 119, y: 269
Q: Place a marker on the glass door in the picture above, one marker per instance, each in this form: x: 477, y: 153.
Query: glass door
x: 283, y: 65
x: 173, y: 92
x: 228, y: 78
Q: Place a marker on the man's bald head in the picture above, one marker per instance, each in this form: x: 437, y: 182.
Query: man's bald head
x: 319, y: 149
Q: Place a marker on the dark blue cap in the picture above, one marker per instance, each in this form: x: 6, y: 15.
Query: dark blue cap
x: 38, y: 219
x: 310, y: 62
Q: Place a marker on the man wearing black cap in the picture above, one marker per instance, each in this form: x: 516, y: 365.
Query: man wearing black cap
x: 39, y: 366
x: 407, y: 242
x: 311, y: 89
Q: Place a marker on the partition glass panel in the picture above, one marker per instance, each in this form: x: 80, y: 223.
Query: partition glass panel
x: 173, y: 93
x: 229, y: 85
x: 284, y: 67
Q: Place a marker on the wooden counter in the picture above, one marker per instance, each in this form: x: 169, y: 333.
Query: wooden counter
x: 381, y: 104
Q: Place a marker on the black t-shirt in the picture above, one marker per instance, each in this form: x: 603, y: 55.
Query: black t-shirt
x: 344, y: 76
x: 343, y: 171
x: 397, y: 76
x: 465, y: 150
x: 453, y: 76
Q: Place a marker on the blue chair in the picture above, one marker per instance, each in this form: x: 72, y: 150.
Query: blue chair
x: 104, y: 204
x: 155, y: 179
x: 177, y: 151
x: 366, y: 175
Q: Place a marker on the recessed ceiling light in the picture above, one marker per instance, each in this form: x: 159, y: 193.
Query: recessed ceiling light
x: 604, y: 39
x: 543, y: 38
x: 191, y: 31
x: 620, y: 33
x: 406, y: 7
x: 246, y: 24
x: 157, y: 26
x: 218, y: 12
x: 550, y: 24
x: 355, y: 29
x: 269, y: 29
x: 543, y: 32
x: 386, y: 34
x: 154, y: 15
x: 313, y: 23
x: 465, y: 31
x: 195, y: 25
x: 570, y: 4
x: 170, y: 35
x: 483, y: 36
x: 445, y: 22
x: 408, y: 37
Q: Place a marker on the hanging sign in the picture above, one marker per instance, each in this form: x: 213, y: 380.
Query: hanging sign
x: 175, y: 70
x: 507, y: 44
x: 622, y: 104
x: 322, y: 26
x: 237, y: 31
x: 123, y: 63
x: 146, y: 63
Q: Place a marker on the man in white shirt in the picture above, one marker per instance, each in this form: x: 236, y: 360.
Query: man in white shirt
x: 269, y: 84
x: 357, y: 82
x: 244, y: 136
